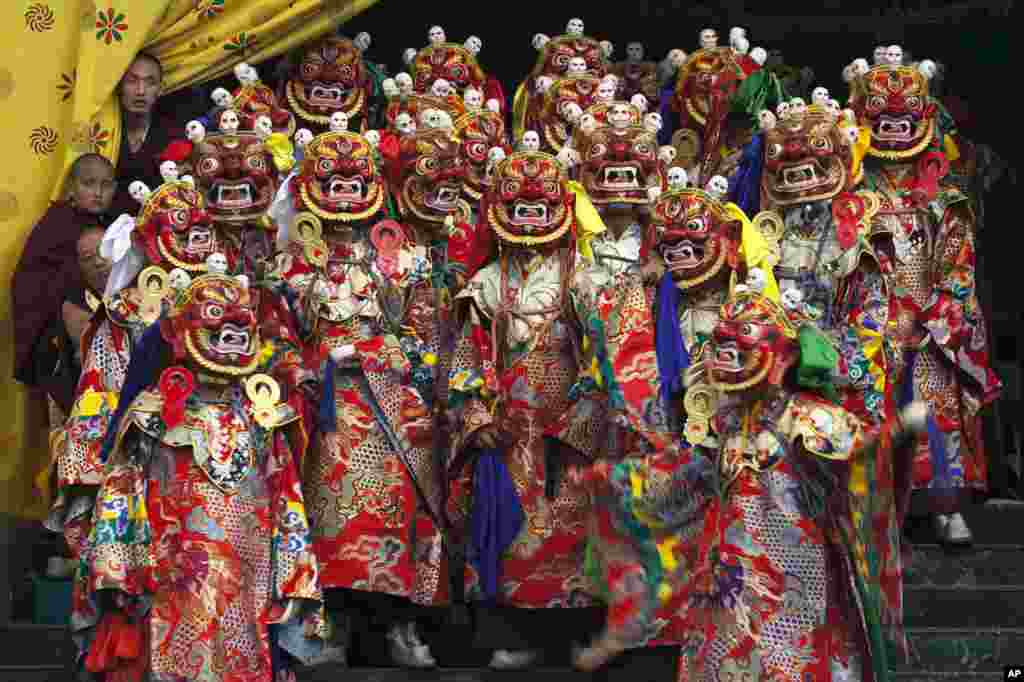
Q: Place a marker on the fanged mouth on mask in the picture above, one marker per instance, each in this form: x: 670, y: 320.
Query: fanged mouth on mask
x: 683, y: 256
x: 341, y: 189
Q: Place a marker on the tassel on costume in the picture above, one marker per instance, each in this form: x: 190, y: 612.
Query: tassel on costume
x: 673, y: 359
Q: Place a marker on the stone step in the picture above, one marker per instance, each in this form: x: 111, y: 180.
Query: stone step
x: 933, y: 565
x: 997, y: 522
x: 35, y: 649
x: 959, y: 650
x: 336, y: 673
x: 994, y: 606
x: 914, y: 676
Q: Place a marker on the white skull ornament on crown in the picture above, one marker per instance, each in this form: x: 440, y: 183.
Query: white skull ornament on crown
x: 717, y: 187
x: 432, y: 118
x: 894, y: 55
x: 221, y: 97
x: 741, y: 46
x: 303, y: 136
x: 539, y: 41
x: 473, y: 99
x: 792, y: 298
x: 441, y: 88
x: 766, y: 119
x: 756, y: 280
x: 217, y: 264
x: 676, y: 178
x: 759, y: 55
x: 574, y: 27
x: 404, y: 82
x: 708, y: 39
x: 436, y: 36
x: 405, y: 124
x: 362, y: 41
x: 195, y: 131
x: 139, y: 191
x: 653, y: 122
x: 676, y: 58
x: 409, y: 56
x: 568, y: 157
x: 819, y: 96
x: 571, y: 112
x: 339, y: 122
x: 473, y: 45
x: 530, y: 141
x: 496, y: 155
x: 169, y: 171
x: 246, y: 74
x: 927, y: 68
x: 606, y: 91
x: 588, y: 123
x: 264, y: 127
x: 179, y: 279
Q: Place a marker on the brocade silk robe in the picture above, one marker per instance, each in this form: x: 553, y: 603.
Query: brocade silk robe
x: 370, y: 529
x: 940, y: 324
x: 514, y: 364
x: 202, y: 531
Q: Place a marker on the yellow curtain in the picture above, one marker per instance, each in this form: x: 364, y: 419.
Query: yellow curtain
x: 60, y: 61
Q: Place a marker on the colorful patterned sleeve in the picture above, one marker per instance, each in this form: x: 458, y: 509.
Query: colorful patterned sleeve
x: 953, y: 316
x: 472, y: 380
x: 120, y: 554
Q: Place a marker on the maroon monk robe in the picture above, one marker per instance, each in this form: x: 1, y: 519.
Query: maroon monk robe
x: 46, y: 275
x: 144, y: 164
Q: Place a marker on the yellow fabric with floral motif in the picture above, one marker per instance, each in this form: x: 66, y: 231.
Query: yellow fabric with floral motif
x: 59, y: 64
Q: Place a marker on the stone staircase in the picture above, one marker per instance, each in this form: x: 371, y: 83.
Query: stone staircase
x: 965, y: 612
x: 964, y: 616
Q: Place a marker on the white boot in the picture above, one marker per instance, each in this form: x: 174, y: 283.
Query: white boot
x: 405, y: 653
x: 952, y: 529
x: 513, y: 660
x: 421, y: 648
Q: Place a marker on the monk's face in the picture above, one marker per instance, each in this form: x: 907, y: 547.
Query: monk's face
x: 95, y: 269
x: 140, y: 87
x: 92, y: 188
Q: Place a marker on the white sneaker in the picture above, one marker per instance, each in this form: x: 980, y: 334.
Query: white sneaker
x: 406, y: 654
x: 421, y: 648
x: 952, y: 529
x: 513, y: 660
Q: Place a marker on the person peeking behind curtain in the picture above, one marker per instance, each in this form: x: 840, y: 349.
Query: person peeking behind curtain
x: 49, y: 273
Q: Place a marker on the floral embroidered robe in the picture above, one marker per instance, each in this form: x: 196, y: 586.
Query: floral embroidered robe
x: 78, y: 471
x: 202, y: 531
x: 625, y: 559
x: 757, y: 545
x: 846, y: 297
x: 940, y: 324
x: 369, y: 527
x: 537, y: 353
